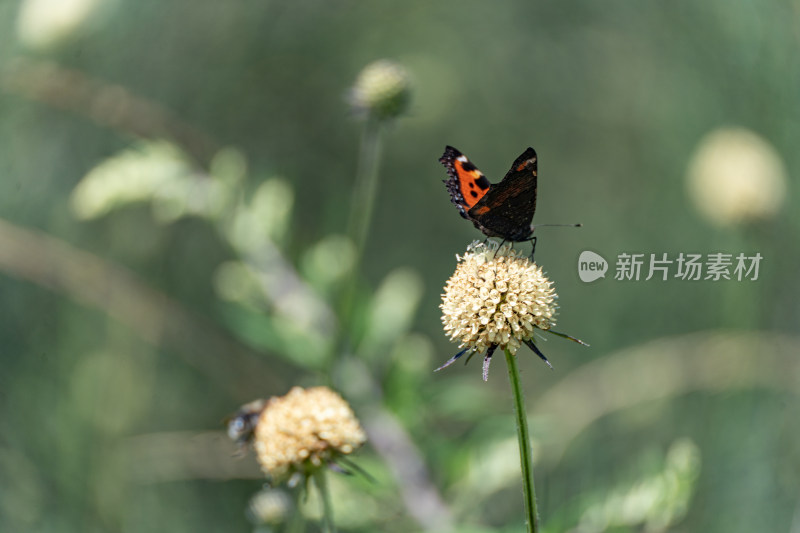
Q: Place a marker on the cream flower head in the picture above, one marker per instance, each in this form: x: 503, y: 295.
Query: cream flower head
x: 305, y: 430
x: 497, y: 297
x: 736, y: 176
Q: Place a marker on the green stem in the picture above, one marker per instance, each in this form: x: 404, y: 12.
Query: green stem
x: 321, y: 481
x: 525, y: 452
x: 361, y: 209
x: 363, y: 203
x: 297, y: 522
x: 366, y: 185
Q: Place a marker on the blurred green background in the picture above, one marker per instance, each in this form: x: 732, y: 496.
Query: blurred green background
x: 175, y: 185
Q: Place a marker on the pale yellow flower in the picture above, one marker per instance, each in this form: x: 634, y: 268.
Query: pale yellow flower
x: 736, y: 176
x: 304, y: 430
x: 497, y: 297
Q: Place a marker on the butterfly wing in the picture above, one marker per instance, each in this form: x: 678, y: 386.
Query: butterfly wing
x: 466, y: 184
x: 506, y: 209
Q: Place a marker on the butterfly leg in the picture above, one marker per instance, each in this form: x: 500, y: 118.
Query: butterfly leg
x: 532, y: 240
x: 499, y: 246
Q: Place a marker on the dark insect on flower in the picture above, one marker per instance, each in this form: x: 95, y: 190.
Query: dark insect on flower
x: 242, y: 423
x: 504, y: 209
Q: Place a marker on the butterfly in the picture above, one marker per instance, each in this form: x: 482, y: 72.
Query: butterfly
x: 503, y: 209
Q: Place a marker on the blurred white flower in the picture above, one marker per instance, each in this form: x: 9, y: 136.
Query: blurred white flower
x: 269, y: 506
x: 42, y: 24
x: 736, y: 176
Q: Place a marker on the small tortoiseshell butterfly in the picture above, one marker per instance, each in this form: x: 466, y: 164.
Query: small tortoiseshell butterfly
x: 503, y: 209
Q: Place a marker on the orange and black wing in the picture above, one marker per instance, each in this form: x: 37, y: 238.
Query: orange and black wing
x: 466, y: 184
x: 506, y: 209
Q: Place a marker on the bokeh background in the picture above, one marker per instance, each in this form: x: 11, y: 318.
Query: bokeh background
x: 176, y: 180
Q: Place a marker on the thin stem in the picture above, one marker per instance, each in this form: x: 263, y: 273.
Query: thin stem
x: 297, y: 522
x: 321, y: 481
x: 366, y: 185
x: 361, y: 208
x: 525, y: 452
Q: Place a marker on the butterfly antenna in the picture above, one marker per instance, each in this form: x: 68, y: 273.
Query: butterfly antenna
x: 532, y: 240
x: 578, y: 225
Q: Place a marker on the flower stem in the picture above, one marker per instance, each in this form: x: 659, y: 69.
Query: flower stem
x: 297, y: 522
x: 366, y: 185
x: 361, y: 208
x: 321, y: 481
x: 525, y: 452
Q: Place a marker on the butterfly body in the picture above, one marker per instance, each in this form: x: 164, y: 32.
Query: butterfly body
x: 503, y: 209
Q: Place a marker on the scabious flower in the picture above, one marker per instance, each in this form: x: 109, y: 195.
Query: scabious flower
x: 736, y: 176
x: 382, y: 90
x: 497, y: 297
x: 304, y: 430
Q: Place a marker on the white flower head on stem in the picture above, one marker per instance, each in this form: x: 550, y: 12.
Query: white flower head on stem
x: 497, y: 297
